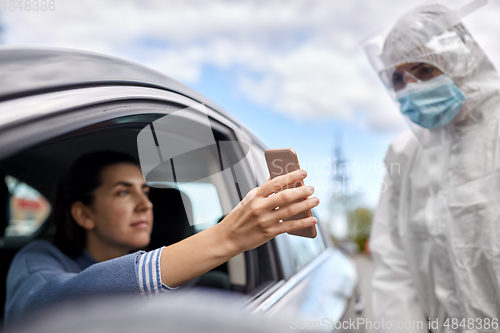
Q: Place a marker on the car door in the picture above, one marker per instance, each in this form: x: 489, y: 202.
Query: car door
x: 48, y: 132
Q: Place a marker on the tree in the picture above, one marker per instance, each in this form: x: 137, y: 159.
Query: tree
x: 359, y: 225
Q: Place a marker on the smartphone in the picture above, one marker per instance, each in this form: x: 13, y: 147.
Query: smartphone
x: 283, y: 161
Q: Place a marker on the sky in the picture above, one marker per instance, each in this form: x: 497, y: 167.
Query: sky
x: 292, y: 71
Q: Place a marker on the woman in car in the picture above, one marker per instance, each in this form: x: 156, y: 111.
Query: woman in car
x: 103, y: 216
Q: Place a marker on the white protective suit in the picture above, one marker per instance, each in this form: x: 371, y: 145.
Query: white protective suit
x: 435, y: 239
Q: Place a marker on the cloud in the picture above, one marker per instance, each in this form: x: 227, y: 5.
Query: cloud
x: 298, y: 58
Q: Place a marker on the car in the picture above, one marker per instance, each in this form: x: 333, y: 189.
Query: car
x: 57, y: 104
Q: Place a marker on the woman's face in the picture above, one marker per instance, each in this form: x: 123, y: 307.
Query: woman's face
x: 121, y: 211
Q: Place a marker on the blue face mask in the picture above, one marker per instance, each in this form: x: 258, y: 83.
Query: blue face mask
x: 432, y: 103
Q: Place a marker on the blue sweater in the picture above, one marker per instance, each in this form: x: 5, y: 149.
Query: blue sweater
x: 41, y: 275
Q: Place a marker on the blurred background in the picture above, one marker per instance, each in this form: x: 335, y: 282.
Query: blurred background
x: 292, y: 71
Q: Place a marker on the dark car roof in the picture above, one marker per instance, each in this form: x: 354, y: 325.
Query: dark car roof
x: 28, y: 70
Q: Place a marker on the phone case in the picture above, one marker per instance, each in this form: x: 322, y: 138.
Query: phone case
x: 283, y: 161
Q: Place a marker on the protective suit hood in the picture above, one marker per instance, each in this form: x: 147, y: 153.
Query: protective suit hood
x: 422, y: 35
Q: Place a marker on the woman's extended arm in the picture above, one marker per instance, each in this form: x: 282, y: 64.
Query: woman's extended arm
x: 252, y: 223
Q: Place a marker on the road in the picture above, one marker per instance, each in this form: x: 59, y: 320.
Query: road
x: 365, y: 267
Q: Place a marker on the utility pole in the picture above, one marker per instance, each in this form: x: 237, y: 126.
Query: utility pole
x: 343, y: 197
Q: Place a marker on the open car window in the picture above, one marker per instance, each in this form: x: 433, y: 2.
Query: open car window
x: 187, y: 152
x: 207, y: 185
x: 207, y: 209
x: 181, y: 150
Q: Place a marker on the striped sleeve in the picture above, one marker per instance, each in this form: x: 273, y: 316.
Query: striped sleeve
x: 149, y: 274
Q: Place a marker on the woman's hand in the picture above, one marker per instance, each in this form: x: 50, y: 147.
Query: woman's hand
x: 253, y: 222
x: 256, y: 220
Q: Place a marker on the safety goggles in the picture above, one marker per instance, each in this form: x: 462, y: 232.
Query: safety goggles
x: 413, y: 73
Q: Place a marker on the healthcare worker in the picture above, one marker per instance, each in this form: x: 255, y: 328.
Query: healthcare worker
x: 435, y: 239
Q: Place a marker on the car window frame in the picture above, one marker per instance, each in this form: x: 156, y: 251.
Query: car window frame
x: 75, y: 114
x: 46, y: 108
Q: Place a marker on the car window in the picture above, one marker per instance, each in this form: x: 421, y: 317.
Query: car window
x: 211, y: 176
x: 207, y: 210
x: 302, y: 249
x: 204, y: 200
x: 305, y: 249
x: 28, y: 209
x: 184, y: 151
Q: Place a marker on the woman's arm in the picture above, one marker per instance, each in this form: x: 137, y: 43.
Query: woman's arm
x: 41, y: 275
x: 252, y: 223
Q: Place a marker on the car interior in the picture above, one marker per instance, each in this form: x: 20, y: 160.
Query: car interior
x: 40, y: 168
